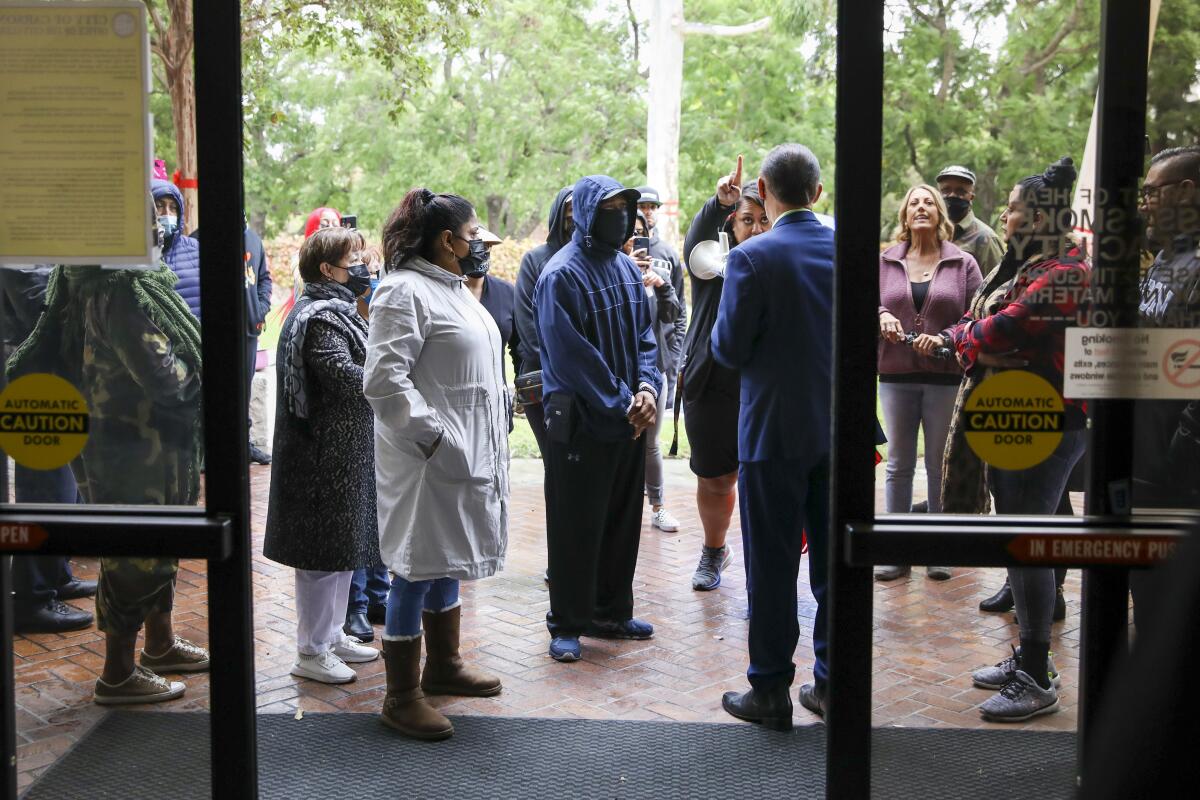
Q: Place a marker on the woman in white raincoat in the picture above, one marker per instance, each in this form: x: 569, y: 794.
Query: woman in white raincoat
x: 435, y: 379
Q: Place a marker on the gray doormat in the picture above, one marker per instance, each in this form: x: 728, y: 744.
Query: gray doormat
x: 136, y: 755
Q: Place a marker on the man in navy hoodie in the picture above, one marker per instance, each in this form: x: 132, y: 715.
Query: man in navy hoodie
x: 775, y: 325
x: 600, y: 382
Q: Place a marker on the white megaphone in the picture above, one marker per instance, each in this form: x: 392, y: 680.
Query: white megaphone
x: 708, y: 258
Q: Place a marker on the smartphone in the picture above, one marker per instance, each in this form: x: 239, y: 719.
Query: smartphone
x: 350, y: 220
x: 641, y: 243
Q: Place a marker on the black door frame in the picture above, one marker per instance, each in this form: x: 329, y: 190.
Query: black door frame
x: 860, y: 540
x: 220, y: 532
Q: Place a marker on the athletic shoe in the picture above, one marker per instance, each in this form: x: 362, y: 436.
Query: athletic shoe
x: 708, y: 572
x: 994, y: 677
x: 352, y: 651
x: 1018, y: 700
x: 181, y: 656
x: 565, y: 648
x: 663, y: 520
x: 624, y: 629
x: 324, y: 667
x: 938, y: 573
x: 142, y: 686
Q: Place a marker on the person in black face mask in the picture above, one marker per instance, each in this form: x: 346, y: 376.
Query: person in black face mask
x: 321, y: 517
x: 600, y: 383
x: 497, y: 295
x: 957, y: 185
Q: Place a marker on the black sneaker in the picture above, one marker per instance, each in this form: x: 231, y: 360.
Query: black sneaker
x: 708, y: 572
x: 258, y: 456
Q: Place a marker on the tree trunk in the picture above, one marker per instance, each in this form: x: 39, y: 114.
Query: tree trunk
x: 172, y: 42
x: 667, y: 31
x: 665, y: 55
x: 498, y: 208
x: 182, y: 85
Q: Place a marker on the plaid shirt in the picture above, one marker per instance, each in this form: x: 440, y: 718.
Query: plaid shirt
x: 1047, y: 296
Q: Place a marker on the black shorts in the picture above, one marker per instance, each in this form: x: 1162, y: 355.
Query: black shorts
x: 711, y: 422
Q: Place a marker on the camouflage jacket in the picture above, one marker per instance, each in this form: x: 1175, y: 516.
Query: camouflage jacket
x: 129, y: 344
x: 980, y: 241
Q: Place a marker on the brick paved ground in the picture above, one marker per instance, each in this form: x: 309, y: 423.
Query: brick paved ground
x: 928, y: 636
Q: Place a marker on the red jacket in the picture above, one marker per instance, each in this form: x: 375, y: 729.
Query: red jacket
x: 1048, y: 296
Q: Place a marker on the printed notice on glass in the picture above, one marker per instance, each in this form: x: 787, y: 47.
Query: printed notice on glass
x: 1132, y: 363
x: 75, y: 134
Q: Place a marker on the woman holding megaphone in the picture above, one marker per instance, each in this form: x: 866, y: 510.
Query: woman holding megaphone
x: 734, y: 214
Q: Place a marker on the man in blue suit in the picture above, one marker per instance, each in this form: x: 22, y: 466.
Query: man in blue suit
x: 774, y: 325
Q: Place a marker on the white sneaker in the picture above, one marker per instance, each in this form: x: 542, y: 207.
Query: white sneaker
x: 353, y: 651
x: 325, y: 667
x: 663, y: 520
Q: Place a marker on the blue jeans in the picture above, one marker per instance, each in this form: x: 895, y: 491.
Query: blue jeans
x: 1036, y: 490
x: 408, y: 599
x: 780, y: 500
x: 368, y: 587
x: 35, y: 578
x: 907, y: 407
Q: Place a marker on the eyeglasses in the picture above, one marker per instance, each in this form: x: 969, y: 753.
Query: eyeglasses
x: 1150, y: 189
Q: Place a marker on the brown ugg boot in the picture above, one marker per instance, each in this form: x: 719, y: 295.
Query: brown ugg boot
x: 445, y: 672
x: 404, y: 707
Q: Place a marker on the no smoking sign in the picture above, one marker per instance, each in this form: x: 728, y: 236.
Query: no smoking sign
x: 1181, y: 364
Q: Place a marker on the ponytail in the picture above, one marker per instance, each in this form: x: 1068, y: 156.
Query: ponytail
x: 414, y: 225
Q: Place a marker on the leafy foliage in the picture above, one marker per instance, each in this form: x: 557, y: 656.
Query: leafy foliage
x: 351, y: 104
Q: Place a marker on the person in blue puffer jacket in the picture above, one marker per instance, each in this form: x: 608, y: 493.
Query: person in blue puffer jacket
x: 180, y: 252
x: 601, y: 381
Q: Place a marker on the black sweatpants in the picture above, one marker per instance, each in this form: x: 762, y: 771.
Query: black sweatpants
x: 593, y: 527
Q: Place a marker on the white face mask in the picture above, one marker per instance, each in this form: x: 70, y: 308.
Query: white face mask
x: 169, y: 223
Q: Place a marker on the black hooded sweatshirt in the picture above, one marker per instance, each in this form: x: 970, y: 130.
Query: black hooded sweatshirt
x: 529, y: 343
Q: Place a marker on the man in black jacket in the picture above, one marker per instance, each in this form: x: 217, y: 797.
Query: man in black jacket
x: 1166, y: 459
x: 40, y: 583
x: 561, y: 225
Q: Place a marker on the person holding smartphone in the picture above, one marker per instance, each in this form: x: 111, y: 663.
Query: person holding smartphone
x: 665, y: 309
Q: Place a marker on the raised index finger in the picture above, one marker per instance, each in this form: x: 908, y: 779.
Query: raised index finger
x: 737, y: 173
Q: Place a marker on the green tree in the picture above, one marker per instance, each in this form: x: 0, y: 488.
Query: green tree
x: 546, y: 91
x: 1005, y: 111
x: 1173, y: 90
x: 391, y: 34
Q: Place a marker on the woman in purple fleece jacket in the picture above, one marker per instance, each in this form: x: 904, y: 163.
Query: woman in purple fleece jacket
x: 925, y: 284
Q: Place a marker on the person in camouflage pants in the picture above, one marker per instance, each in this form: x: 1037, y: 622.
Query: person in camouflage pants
x: 130, y: 345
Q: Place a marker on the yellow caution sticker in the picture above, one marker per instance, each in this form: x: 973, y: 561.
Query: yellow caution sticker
x: 43, y: 421
x: 1014, y: 420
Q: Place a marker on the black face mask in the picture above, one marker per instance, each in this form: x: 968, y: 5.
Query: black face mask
x: 359, y: 280
x: 610, y: 227
x: 957, y: 208
x: 477, y: 261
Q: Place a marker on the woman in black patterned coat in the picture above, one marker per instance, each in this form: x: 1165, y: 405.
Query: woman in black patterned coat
x: 321, y: 519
